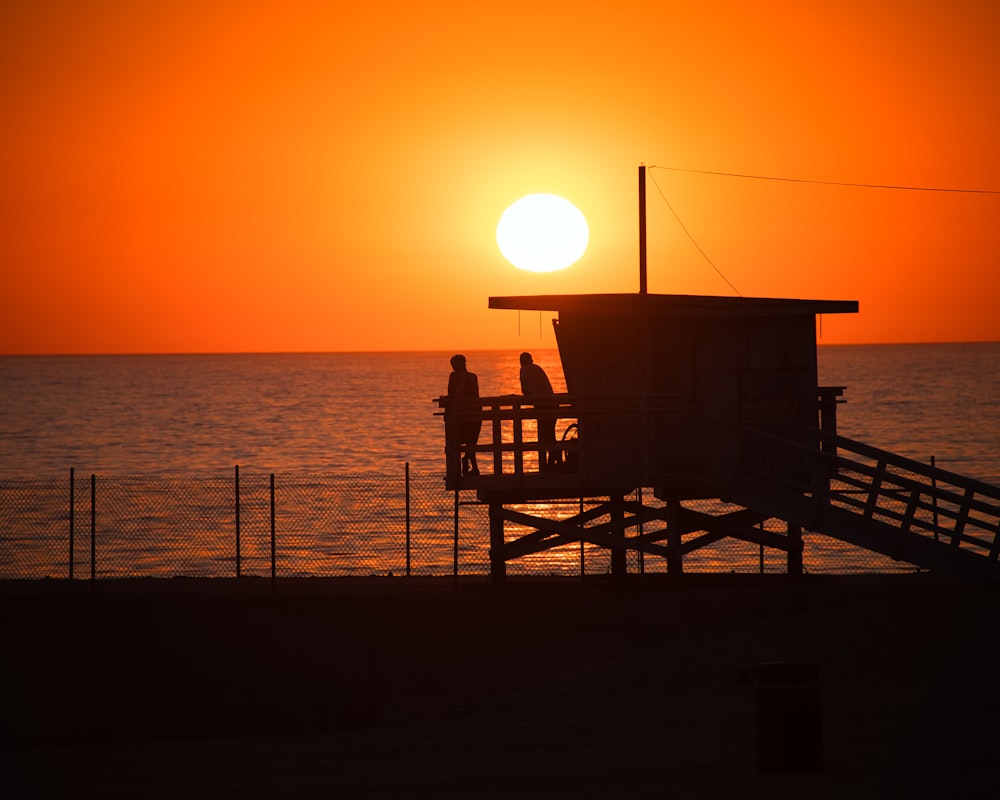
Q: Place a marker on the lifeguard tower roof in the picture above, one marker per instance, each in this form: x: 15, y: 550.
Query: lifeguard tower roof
x: 680, y: 305
x: 658, y: 381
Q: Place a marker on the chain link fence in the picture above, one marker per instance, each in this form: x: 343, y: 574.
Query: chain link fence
x: 297, y: 525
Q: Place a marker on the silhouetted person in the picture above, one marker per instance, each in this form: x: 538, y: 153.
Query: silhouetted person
x: 535, y: 385
x: 463, y: 387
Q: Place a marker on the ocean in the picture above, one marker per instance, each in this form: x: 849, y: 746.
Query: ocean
x: 373, y: 412
x: 163, y: 434
x: 922, y: 400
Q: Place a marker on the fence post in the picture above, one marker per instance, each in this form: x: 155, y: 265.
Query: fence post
x: 72, y: 518
x: 760, y: 550
x: 642, y: 559
x: 239, y: 565
x: 93, y: 531
x: 934, y: 495
x: 454, y: 568
x: 274, y: 572
x: 407, y: 519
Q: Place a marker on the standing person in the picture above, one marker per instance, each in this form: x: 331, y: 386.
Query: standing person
x: 463, y: 387
x: 535, y: 385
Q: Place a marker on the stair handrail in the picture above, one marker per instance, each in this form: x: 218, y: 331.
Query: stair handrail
x: 840, y: 442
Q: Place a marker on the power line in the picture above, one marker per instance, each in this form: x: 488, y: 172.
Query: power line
x: 748, y: 176
x: 698, y: 246
x: 829, y: 183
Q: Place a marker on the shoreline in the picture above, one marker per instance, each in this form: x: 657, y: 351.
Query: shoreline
x: 257, y: 585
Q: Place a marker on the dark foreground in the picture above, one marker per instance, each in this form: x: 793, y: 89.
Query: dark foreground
x: 388, y: 688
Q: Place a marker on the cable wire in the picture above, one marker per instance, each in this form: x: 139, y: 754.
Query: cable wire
x: 829, y: 183
x: 748, y: 176
x: 698, y: 246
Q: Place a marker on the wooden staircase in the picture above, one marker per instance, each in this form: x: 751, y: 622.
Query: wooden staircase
x: 871, y: 498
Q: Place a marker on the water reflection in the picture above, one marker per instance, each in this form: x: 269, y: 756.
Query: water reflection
x: 327, y: 526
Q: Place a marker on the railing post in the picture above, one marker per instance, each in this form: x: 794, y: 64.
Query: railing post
x: 72, y: 518
x: 274, y: 571
x: 239, y: 562
x: 875, y: 489
x: 407, y: 519
x: 963, y: 517
x: 497, y: 433
x: 828, y: 403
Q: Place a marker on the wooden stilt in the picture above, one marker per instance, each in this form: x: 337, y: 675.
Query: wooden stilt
x: 675, y: 561
x: 617, y: 508
x: 794, y: 549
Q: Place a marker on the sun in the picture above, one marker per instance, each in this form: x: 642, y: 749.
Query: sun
x: 542, y: 233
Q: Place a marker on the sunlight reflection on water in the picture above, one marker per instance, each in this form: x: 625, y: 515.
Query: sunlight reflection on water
x: 335, y: 416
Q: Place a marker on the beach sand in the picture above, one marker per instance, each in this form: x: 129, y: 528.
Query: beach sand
x: 395, y: 687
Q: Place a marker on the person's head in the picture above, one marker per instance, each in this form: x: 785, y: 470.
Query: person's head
x: 525, y: 359
x: 458, y: 362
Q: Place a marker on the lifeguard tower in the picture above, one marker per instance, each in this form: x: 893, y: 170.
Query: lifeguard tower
x: 679, y: 397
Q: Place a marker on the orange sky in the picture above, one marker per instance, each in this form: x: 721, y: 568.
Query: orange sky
x: 289, y: 176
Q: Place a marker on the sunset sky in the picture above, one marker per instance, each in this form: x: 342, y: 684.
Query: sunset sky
x: 314, y: 176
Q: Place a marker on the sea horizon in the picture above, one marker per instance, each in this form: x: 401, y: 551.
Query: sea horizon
x: 117, y: 413
x: 819, y: 344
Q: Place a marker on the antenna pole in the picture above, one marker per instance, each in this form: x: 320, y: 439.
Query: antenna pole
x: 642, y: 229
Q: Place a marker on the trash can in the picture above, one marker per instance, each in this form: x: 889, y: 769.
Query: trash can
x: 789, y: 715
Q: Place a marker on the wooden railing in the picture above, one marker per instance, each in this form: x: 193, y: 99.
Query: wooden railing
x: 839, y: 484
x: 508, y: 444
x: 602, y: 439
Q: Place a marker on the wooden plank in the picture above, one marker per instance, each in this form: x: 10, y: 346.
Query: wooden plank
x: 874, y: 490
x: 918, y: 467
x: 907, y: 523
x: 542, y: 523
x: 545, y: 528
x: 963, y: 516
x: 644, y: 514
x: 872, y: 534
x: 549, y: 533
